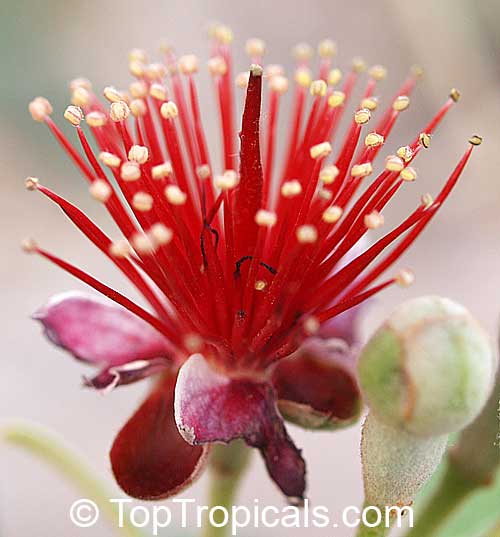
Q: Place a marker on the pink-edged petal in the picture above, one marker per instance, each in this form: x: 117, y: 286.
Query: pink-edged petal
x: 111, y: 377
x: 317, y: 386
x: 99, y: 332
x: 149, y: 458
x: 211, y: 407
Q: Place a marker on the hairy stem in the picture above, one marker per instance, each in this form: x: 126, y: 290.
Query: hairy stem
x: 227, y: 465
x: 449, y: 497
x: 48, y: 448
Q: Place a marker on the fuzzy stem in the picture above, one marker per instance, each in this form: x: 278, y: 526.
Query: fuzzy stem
x: 378, y: 531
x: 47, y: 447
x: 452, y: 491
x: 227, y: 464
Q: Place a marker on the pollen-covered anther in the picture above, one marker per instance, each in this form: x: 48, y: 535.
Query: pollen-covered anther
x: 321, y: 150
x: 80, y: 97
x: 256, y: 69
x: 303, y: 77
x: 405, y: 152
x: 223, y: 34
x: 408, y: 174
x: 169, y: 110
x: 328, y: 174
x: 424, y: 140
x: 119, y: 111
x: 155, y: 71
x: 370, y: 103
x: 138, y: 107
x: 39, y: 108
x: 136, y: 68
x: 217, y: 66
x: 362, y: 170
x: 318, y: 88
x: 31, y: 183
x: 373, y: 139
x: 130, y: 171
x: 120, y: 248
x: 138, y: 89
x: 455, y: 94
x: 393, y: 163
x: 302, y: 52
x: 113, y: 95
x: 426, y: 200
x: 278, y: 84
x: 203, y: 172
x: 334, y: 76
x: 189, y: 64
x: 193, y: 342
x: 228, y: 180
x: 138, y: 55
x: 139, y: 154
x: 142, y: 244
x: 332, y: 214
x: 260, y: 285
x: 325, y: 194
x: 160, y: 171
x: 307, y: 234
x: 311, y: 326
x: 327, y: 48
x: 160, y: 234
x: 29, y: 246
x: 80, y: 82
x: 158, y: 92
x: 290, y: 189
x: 362, y: 116
x: 374, y: 220
x: 402, y: 102
x: 142, y: 202
x: 358, y: 64
x: 476, y: 140
x: 378, y: 72
x: 74, y: 114
x: 100, y: 190
x: 404, y: 278
x: 337, y: 98
x: 255, y: 47
x: 175, y: 195
x: 96, y: 119
x: 242, y: 79
x: 109, y: 159
x: 265, y: 218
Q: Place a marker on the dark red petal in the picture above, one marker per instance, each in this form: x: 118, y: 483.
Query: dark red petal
x: 98, y: 331
x: 317, y: 386
x: 149, y: 458
x: 211, y: 407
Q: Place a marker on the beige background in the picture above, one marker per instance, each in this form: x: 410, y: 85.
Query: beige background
x: 44, y: 44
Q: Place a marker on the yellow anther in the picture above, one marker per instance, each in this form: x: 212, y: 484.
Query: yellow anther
x: 320, y: 150
x: 373, y: 139
x: 332, y: 214
x: 337, y: 98
x: 328, y: 174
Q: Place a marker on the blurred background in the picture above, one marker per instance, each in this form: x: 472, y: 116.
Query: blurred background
x: 45, y: 44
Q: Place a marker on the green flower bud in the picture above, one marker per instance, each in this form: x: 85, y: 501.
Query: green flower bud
x: 429, y: 369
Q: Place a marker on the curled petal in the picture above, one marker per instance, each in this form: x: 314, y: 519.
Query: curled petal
x: 111, y: 377
x: 149, y: 458
x: 211, y: 407
x: 317, y: 386
x: 99, y: 332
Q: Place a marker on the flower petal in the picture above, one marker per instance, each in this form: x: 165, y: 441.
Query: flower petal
x: 99, y: 332
x: 344, y: 326
x: 211, y: 407
x: 149, y: 458
x: 317, y: 386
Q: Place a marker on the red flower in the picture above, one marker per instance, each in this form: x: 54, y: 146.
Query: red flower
x: 251, y: 274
